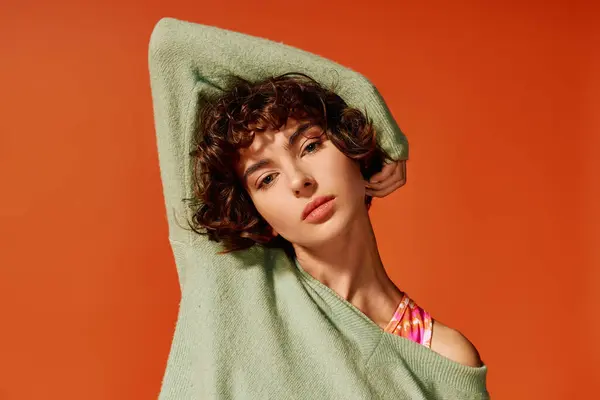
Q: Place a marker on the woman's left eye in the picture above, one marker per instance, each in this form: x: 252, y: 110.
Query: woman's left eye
x: 312, y: 147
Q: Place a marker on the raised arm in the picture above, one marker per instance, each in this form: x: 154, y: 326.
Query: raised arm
x: 188, y: 61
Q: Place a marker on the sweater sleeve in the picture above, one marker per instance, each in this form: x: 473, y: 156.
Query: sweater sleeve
x: 189, y: 61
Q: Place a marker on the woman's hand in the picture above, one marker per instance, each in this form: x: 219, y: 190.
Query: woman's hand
x: 391, y: 177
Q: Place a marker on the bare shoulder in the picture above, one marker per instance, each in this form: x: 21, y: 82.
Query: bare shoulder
x: 454, y: 345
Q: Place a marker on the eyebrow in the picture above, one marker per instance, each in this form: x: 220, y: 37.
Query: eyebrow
x: 260, y: 164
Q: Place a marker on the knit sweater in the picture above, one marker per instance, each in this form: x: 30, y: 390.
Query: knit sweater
x: 254, y: 324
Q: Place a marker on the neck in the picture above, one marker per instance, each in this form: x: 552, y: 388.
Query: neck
x: 352, y: 267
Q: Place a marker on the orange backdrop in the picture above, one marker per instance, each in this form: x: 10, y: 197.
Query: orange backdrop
x: 495, y: 233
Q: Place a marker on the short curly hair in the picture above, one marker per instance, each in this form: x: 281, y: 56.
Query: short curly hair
x: 221, y: 207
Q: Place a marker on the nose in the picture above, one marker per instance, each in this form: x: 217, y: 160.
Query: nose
x: 303, y: 185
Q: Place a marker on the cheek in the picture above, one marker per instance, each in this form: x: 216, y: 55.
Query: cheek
x: 269, y: 206
x: 345, y: 172
x: 355, y: 175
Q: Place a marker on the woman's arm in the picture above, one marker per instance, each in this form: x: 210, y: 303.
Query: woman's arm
x: 188, y: 61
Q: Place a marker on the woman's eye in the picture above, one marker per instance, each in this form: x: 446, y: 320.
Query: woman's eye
x: 266, y: 181
x: 311, y: 148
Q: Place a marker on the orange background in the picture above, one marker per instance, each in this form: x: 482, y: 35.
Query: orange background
x: 496, y: 232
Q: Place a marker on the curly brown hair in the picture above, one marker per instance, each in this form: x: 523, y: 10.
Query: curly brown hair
x: 222, y: 208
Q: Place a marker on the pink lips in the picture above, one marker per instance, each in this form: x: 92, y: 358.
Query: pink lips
x: 318, y: 209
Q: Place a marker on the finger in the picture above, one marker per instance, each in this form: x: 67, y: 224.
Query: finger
x: 390, y: 180
x: 383, y: 193
x: 404, y: 170
x: 385, y: 176
x: 383, y: 185
x: 385, y: 172
x: 386, y: 191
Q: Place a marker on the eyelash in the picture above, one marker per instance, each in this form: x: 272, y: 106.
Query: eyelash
x: 262, y: 185
x: 317, y: 142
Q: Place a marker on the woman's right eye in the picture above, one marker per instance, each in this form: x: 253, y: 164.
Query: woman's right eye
x: 266, y: 181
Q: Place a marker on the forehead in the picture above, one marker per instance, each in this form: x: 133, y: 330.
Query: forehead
x: 264, y: 139
x: 264, y: 144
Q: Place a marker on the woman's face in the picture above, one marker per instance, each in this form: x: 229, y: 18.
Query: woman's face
x: 290, y: 172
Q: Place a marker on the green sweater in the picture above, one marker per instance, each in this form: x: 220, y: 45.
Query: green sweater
x: 255, y: 325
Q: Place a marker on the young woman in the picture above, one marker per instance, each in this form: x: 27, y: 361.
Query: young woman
x: 289, y: 297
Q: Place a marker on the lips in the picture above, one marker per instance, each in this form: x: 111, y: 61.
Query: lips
x: 310, y: 207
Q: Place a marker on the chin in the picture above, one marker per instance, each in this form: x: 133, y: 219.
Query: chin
x: 328, y: 231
